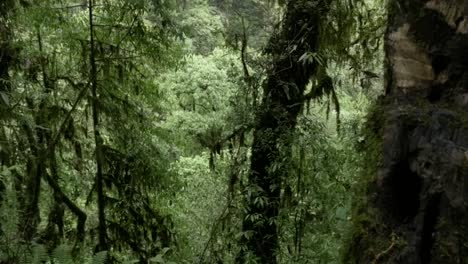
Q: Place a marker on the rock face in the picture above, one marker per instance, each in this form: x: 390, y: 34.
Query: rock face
x: 421, y: 190
x: 417, y: 206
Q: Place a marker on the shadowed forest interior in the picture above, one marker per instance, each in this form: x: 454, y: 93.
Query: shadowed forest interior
x: 234, y: 131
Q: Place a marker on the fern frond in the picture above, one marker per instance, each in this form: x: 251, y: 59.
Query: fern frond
x: 62, y: 254
x: 100, y: 257
x: 39, y: 254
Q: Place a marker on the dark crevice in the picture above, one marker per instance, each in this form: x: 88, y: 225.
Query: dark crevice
x: 440, y: 63
x: 431, y: 215
x: 435, y: 93
x: 435, y: 36
x: 403, y: 193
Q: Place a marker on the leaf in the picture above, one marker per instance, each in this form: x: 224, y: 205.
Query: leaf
x: 165, y: 250
x: 303, y: 57
x: 132, y: 261
x: 5, y: 98
x: 370, y: 74
x: 157, y: 259
x: 341, y: 213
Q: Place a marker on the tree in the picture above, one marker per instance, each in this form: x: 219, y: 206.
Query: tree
x: 51, y: 85
x: 283, y: 98
x: 102, y: 229
x: 417, y: 210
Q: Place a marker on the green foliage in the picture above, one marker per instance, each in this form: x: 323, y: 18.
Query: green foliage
x: 254, y: 19
x: 51, y: 122
x: 202, y: 26
x: 178, y: 87
x: 362, y: 217
x: 317, y: 207
x: 10, y: 246
x: 13, y: 249
x: 197, y: 204
x: 206, y: 99
x: 40, y: 255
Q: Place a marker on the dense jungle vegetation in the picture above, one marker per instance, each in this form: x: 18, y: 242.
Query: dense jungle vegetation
x: 227, y: 131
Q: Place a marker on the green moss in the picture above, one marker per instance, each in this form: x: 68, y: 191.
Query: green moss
x: 365, y: 228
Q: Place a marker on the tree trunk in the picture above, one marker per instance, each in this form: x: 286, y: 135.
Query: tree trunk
x: 102, y: 229
x: 6, y: 49
x: 30, y: 214
x: 417, y: 209
x: 282, y: 101
x: 6, y: 58
x: 53, y: 233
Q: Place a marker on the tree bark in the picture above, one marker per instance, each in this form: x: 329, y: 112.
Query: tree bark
x: 30, y: 214
x: 282, y: 101
x: 102, y: 229
x: 417, y: 210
